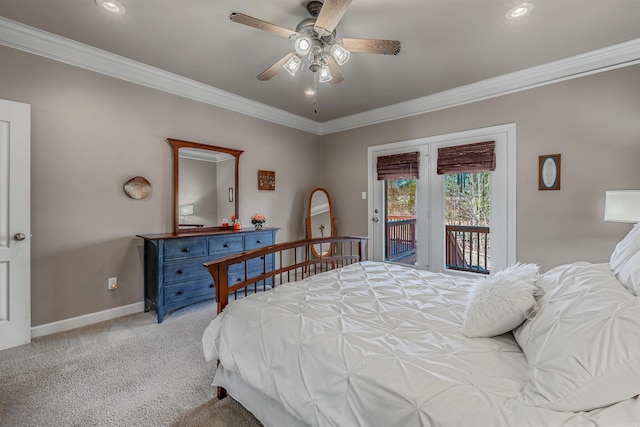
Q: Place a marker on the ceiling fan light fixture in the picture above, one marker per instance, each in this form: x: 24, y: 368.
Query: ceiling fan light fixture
x: 519, y: 11
x: 303, y: 45
x: 112, y: 6
x: 293, y: 65
x: 324, y: 75
x: 340, y: 54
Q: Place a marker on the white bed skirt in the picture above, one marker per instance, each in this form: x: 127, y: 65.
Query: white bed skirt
x: 269, y: 411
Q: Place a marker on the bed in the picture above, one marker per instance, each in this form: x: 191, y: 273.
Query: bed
x: 349, y: 342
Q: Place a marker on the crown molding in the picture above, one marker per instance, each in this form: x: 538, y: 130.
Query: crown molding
x: 597, y: 61
x: 42, y: 43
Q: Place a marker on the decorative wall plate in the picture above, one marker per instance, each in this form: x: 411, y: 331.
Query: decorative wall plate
x: 137, y: 187
x: 549, y: 172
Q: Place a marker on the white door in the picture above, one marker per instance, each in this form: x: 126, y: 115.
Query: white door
x: 377, y: 200
x: 15, y: 224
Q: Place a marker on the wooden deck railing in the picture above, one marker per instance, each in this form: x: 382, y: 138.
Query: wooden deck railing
x: 401, y: 239
x: 467, y: 248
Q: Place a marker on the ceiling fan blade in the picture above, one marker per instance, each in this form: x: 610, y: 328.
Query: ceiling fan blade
x: 241, y: 18
x: 270, y: 72
x: 385, y: 47
x: 336, y: 74
x: 330, y: 14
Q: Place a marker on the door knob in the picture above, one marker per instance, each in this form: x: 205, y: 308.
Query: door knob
x: 20, y: 236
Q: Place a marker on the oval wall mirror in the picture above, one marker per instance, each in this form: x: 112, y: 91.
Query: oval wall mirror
x: 320, y: 221
x: 205, y: 186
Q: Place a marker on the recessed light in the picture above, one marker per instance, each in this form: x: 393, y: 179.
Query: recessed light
x: 519, y: 11
x: 112, y: 6
x: 309, y: 92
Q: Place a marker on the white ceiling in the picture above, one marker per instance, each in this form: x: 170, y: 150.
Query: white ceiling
x: 445, y: 43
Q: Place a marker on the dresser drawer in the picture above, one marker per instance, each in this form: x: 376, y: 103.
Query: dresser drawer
x: 177, y: 293
x: 225, y: 245
x: 257, y: 240
x: 256, y: 266
x: 236, y: 274
x: 183, y: 271
x: 184, y: 248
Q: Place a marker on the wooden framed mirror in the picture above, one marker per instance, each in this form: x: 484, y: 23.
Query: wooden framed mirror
x: 320, y: 221
x: 205, y: 186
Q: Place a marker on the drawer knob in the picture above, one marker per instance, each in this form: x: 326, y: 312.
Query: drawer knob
x: 185, y: 249
x: 212, y: 285
x: 180, y: 292
x: 259, y: 241
x: 179, y: 271
x: 226, y: 245
x: 238, y: 280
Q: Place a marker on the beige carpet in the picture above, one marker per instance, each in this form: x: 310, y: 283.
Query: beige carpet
x: 130, y: 371
x: 218, y: 413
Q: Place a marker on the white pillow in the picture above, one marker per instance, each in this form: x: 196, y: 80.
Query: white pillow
x: 629, y: 274
x: 625, y: 249
x: 583, y: 346
x: 501, y: 302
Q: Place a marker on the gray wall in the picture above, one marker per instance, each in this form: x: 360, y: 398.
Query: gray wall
x: 91, y: 133
x: 593, y: 121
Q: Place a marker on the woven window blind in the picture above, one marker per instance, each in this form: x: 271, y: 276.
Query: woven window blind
x: 397, y: 166
x: 476, y: 157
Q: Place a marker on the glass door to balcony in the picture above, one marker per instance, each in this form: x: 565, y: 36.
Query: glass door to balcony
x: 468, y: 216
x: 456, y: 222
x: 400, y: 221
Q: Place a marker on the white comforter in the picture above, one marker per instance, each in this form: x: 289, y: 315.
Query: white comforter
x: 377, y: 344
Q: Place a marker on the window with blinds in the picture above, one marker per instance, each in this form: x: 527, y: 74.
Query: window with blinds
x: 399, y: 166
x: 476, y: 157
x: 467, y: 204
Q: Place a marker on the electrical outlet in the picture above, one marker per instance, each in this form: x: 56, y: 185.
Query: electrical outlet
x: 113, y: 283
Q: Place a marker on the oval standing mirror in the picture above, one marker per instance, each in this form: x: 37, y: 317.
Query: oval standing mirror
x: 205, y: 186
x: 320, y: 221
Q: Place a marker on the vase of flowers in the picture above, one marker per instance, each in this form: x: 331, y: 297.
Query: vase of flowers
x: 258, y: 220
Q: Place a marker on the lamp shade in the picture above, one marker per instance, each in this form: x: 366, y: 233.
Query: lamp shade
x: 622, y: 206
x: 303, y: 45
x: 186, y: 210
x: 340, y: 54
x: 293, y: 65
x: 325, y: 75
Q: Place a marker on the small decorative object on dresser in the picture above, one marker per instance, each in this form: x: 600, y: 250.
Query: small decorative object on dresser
x: 174, y: 272
x: 258, y: 221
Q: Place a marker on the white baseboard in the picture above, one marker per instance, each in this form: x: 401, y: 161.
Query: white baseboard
x: 87, y: 319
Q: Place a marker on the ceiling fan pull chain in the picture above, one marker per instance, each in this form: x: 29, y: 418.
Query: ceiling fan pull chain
x: 315, y: 92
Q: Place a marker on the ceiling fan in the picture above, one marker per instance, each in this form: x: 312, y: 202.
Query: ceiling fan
x: 316, y: 47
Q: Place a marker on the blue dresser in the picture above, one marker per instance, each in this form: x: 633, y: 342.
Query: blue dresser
x: 174, y: 275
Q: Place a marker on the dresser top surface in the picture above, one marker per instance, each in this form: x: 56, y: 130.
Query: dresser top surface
x: 162, y: 236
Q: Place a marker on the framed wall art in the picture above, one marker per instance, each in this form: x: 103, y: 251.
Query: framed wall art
x: 549, y: 172
x: 266, y: 180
